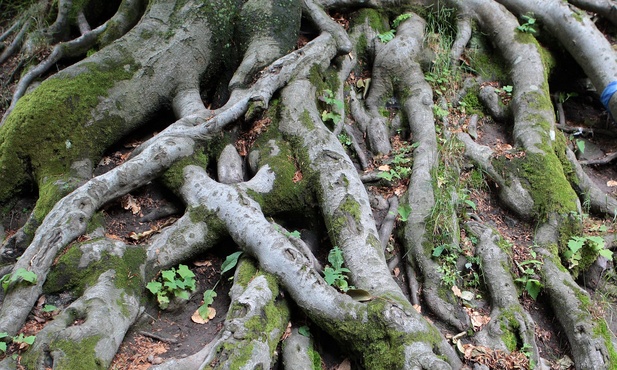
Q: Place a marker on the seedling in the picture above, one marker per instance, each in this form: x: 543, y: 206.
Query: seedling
x: 334, y: 275
x: 331, y: 101
x: 21, y: 274
x: 22, y: 341
x: 575, y: 248
x: 404, y: 211
x: 172, y: 283
x: 230, y: 262
x: 528, y: 26
x: 389, y: 35
x: 528, y: 279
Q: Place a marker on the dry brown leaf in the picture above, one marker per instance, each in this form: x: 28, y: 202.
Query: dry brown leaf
x: 456, y: 291
x: 611, y: 183
x: 418, y: 308
x: 396, y: 271
x: 384, y: 167
x: 202, y: 263
x: 287, y: 332
x: 130, y: 204
x: 345, y: 365
x: 196, y: 318
x: 297, y: 177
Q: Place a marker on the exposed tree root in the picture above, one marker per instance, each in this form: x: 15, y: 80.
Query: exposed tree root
x: 221, y: 63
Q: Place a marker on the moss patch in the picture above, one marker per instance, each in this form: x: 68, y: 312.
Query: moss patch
x: 48, y: 129
x: 67, y: 275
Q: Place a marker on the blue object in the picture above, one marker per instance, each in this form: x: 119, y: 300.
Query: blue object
x: 608, y: 93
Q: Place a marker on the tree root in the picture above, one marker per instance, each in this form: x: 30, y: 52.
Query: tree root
x: 507, y: 314
x: 256, y: 321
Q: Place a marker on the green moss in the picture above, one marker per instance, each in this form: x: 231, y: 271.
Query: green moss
x: 472, y: 102
x: 286, y: 197
x: 67, y: 275
x: 323, y: 80
x: 96, y: 221
x: 347, y: 215
x: 549, y: 188
x: 375, y: 18
x: 509, y: 327
x: 315, y: 357
x: 173, y: 178
x: 378, y: 346
x: 488, y: 63
x: 49, y: 128
x: 78, y: 355
x: 601, y: 330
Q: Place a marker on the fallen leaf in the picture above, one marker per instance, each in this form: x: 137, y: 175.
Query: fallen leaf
x: 466, y: 295
x: 345, y: 365
x: 202, y: 263
x: 396, y: 271
x: 196, y: 318
x: 287, y: 332
x: 359, y: 295
x: 129, y: 203
x: 418, y: 308
x: 384, y: 167
x: 297, y: 177
x: 611, y: 183
x: 456, y: 291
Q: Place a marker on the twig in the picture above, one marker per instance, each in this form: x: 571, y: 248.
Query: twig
x: 606, y: 160
x: 158, y: 337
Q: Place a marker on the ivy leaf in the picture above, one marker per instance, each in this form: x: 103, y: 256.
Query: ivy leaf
x: 209, y: 296
x: 49, y: 308
x: 230, y: 262
x: 606, y: 254
x: 576, y: 243
x: 25, y: 275
x: 169, y: 275
x: 2, y: 347
x: 438, y: 250
x: 304, y: 330
x: 329, y: 275
x: 404, y: 211
x: 184, y: 272
x: 533, y: 287
x: 154, y: 287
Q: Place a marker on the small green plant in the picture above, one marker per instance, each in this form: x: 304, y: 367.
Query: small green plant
x: 528, y: 26
x: 389, y: 35
x: 49, y: 308
x: 507, y: 89
x: 331, y: 101
x: 334, y: 274
x: 563, y: 97
x: 21, y: 340
x: 448, y: 254
x: 528, y: 279
x: 403, y: 211
x: 230, y: 262
x: 440, y: 80
x: 172, y: 283
x: 400, y: 165
x: 576, y: 244
x: 21, y: 274
x: 439, y: 112
x: 344, y: 139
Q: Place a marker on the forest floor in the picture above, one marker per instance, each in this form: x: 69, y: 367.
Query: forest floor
x: 164, y: 334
